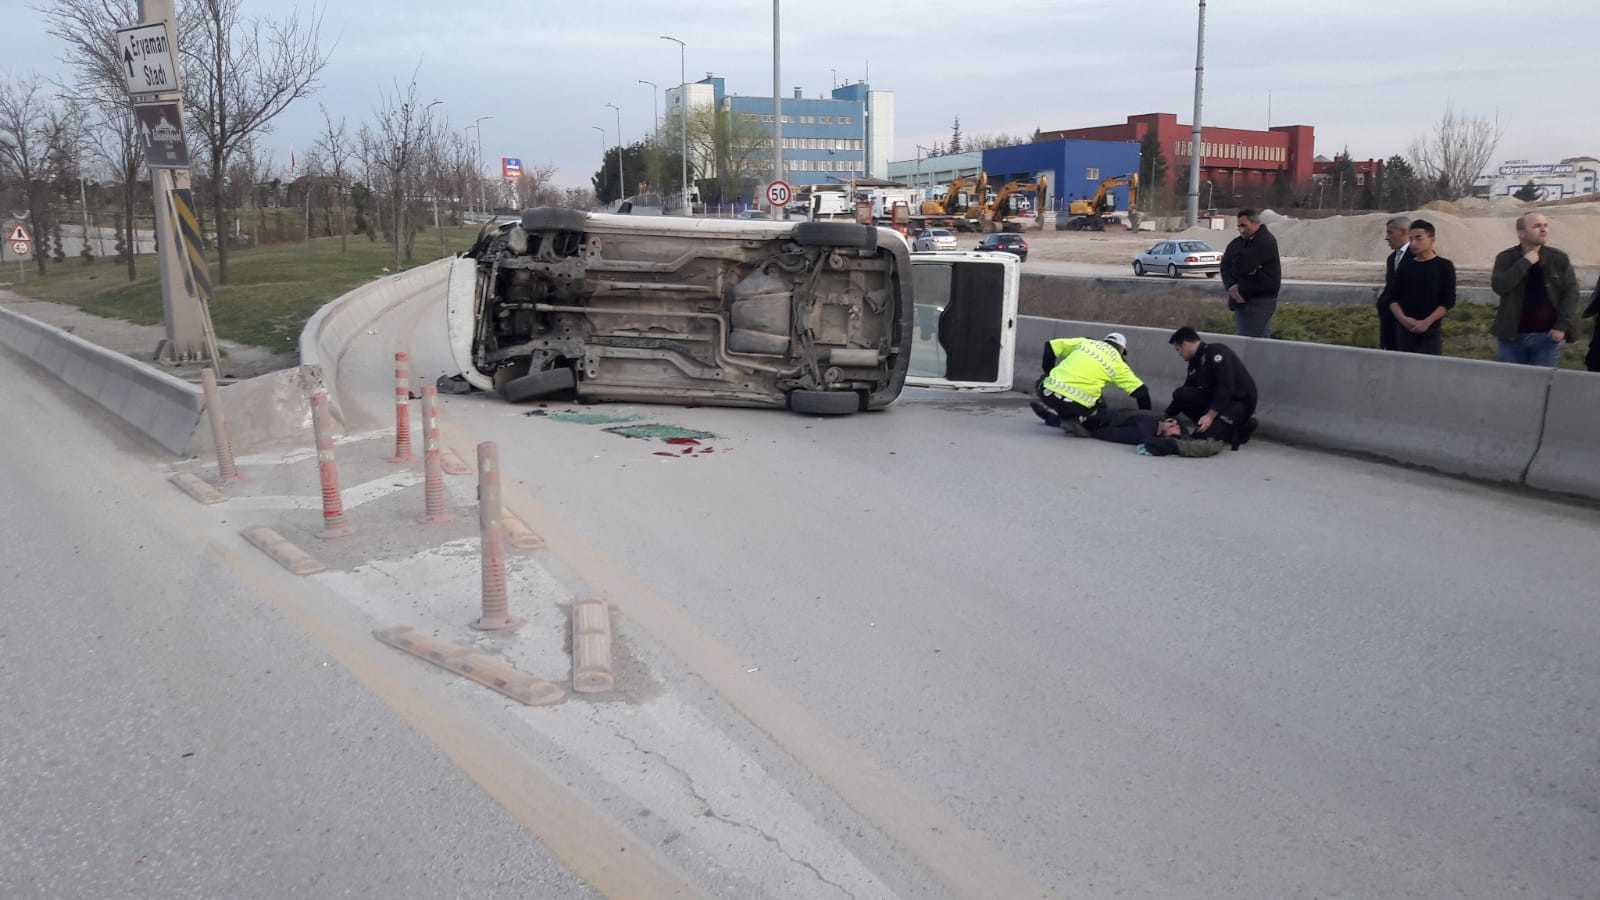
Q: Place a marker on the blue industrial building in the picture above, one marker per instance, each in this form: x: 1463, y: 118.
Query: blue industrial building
x: 1072, y: 168
x: 826, y: 140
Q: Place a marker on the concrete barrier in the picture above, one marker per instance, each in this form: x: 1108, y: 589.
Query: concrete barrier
x: 164, y: 408
x: 1569, y: 451
x: 334, y: 327
x: 1459, y: 416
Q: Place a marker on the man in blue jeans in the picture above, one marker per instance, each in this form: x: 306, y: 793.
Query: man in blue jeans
x: 1538, y: 296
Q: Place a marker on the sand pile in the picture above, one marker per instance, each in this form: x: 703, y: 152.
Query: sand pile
x: 1471, y: 241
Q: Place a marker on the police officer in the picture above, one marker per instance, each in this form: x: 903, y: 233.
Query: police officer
x: 1077, y: 371
x: 1218, y: 394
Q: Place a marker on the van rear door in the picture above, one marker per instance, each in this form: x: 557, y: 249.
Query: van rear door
x: 966, y: 320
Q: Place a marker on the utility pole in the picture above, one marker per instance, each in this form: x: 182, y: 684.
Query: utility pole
x: 683, y: 101
x: 1193, y: 215
x: 483, y: 200
x: 777, y: 104
x: 188, y: 322
x: 622, y: 183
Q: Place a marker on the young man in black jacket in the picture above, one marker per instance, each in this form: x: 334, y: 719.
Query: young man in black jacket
x: 1252, y: 275
x: 1592, y: 361
x: 1218, y: 393
x: 1424, y: 293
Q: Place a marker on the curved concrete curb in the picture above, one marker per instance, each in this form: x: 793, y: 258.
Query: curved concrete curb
x: 331, y: 330
x: 154, y: 403
x: 1459, y: 416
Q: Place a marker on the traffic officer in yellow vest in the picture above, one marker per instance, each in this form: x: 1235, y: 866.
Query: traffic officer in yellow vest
x: 1076, y: 372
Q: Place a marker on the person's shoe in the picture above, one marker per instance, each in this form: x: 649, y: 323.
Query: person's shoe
x: 1075, y: 428
x: 1247, y: 429
x: 1045, y: 413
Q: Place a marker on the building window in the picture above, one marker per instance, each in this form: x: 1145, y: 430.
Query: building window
x: 847, y: 120
x: 1092, y: 174
x: 825, y: 120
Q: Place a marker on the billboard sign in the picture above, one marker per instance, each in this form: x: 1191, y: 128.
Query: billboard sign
x: 510, y: 168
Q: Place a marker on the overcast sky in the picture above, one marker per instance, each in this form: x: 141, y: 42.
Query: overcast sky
x: 1368, y: 75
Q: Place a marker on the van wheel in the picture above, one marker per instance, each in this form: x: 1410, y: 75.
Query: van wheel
x: 825, y: 403
x: 538, y: 384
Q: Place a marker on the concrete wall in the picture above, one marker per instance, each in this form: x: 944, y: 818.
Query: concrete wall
x: 1516, y: 424
x: 331, y: 330
x: 164, y: 408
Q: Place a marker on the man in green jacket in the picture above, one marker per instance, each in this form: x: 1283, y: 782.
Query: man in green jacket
x: 1538, y: 296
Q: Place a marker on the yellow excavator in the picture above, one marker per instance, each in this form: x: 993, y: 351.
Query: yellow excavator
x: 1094, y: 214
x: 951, y: 205
x: 993, y: 216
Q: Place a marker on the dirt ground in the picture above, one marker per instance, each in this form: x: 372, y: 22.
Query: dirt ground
x: 1351, y: 248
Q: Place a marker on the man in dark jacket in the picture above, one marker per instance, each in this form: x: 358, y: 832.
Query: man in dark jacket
x: 1538, y: 296
x: 1218, y: 393
x: 1252, y: 275
x: 1397, y: 233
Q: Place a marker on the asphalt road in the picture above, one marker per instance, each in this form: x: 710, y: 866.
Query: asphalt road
x: 1273, y: 673
x: 166, y: 731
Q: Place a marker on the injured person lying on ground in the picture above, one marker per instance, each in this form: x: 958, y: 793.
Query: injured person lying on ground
x: 1154, y: 434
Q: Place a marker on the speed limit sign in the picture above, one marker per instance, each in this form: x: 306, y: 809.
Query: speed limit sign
x: 779, y: 193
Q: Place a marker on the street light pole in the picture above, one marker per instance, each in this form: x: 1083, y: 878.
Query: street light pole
x: 622, y: 183
x: 777, y: 104
x: 1194, y: 137
x: 683, y: 101
x: 483, y: 200
x: 655, y: 112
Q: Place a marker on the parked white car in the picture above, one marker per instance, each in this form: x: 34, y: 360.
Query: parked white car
x: 1174, y: 258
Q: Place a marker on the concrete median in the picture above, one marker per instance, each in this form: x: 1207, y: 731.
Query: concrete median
x: 1459, y: 416
x: 1569, y: 451
x: 164, y: 408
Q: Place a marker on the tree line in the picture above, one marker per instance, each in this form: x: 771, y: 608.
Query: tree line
x: 70, y: 142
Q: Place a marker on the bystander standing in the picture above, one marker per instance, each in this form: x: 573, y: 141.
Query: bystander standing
x: 1538, y: 296
x: 1592, y: 361
x: 1424, y: 292
x: 1253, y: 275
x: 1397, y: 233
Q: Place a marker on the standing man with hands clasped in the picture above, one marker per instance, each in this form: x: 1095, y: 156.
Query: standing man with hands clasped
x: 1397, y: 233
x: 1423, y: 292
x: 1253, y: 276
x: 1538, y: 296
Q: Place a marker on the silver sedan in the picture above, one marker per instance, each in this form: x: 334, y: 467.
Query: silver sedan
x: 1173, y: 258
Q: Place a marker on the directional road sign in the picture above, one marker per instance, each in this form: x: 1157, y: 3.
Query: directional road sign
x: 145, y: 52
x: 161, y: 133
x: 779, y: 193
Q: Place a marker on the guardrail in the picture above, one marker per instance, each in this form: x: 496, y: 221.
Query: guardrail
x: 1486, y: 420
x: 331, y: 331
x: 164, y: 408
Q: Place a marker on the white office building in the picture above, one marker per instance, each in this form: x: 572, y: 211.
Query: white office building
x: 1575, y: 176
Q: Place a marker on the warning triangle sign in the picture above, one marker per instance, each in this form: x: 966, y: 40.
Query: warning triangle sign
x: 19, y: 233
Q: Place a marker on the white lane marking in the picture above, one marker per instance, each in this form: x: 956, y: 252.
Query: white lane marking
x: 365, y: 492
x: 299, y: 454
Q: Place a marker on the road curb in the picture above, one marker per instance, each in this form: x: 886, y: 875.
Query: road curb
x: 288, y: 555
x: 591, y: 648
x: 200, y: 490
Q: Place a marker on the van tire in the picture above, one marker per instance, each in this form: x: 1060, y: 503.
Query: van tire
x: 836, y: 234
x: 553, y: 218
x: 538, y: 384
x: 825, y: 403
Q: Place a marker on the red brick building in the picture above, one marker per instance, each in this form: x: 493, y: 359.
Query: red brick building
x: 1368, y: 171
x: 1233, y: 159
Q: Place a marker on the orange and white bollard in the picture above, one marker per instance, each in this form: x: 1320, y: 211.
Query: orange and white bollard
x: 333, y: 523
x: 227, y: 470
x: 496, y: 607
x: 402, y: 410
x: 432, y: 466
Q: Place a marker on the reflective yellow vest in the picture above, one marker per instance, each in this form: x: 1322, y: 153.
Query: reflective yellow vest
x: 1083, y: 369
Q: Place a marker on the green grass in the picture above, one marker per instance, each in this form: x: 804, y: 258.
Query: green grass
x: 271, y: 291
x: 1466, y: 329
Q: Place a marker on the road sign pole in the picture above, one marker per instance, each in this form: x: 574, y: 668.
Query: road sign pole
x: 181, y: 309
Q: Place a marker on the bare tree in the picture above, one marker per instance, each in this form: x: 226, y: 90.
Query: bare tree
x: 1450, y: 158
x: 25, y: 150
x: 536, y: 187
x: 87, y: 29
x: 337, y: 149
x: 239, y: 74
x: 395, y: 150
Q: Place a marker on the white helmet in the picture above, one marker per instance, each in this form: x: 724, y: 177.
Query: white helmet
x: 1116, y: 340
